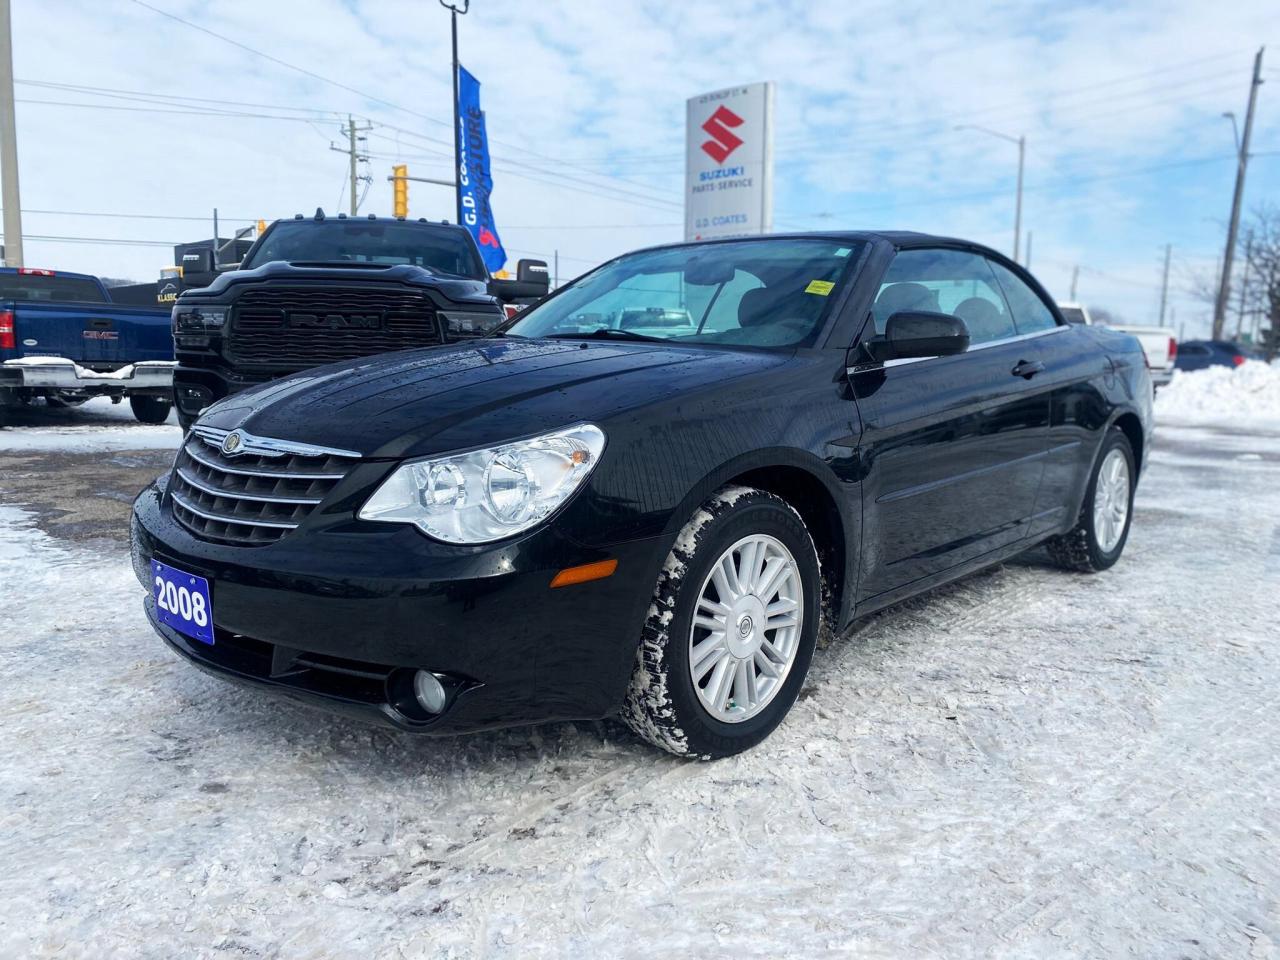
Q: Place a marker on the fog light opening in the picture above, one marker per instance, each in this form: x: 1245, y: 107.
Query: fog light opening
x: 429, y: 692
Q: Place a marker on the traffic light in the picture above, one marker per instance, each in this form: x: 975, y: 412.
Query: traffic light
x: 400, y: 184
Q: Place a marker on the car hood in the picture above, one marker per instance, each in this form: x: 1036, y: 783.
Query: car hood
x: 422, y: 402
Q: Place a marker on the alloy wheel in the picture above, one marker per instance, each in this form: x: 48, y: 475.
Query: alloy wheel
x: 746, y: 628
x: 1111, y: 500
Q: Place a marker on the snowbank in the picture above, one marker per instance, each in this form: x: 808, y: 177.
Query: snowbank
x: 1249, y: 393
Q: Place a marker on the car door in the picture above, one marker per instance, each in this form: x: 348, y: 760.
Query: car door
x: 952, y: 446
x: 1074, y: 369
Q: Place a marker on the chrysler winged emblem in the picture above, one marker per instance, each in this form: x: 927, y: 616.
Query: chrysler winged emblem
x: 231, y: 443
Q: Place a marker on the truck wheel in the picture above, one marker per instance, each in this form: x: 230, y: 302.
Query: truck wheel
x: 731, y: 629
x: 150, y: 409
x: 1098, y: 538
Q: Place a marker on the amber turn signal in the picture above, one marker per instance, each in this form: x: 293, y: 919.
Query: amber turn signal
x: 588, y: 571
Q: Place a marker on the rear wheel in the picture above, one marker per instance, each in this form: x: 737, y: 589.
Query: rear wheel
x: 732, y: 628
x: 1101, y: 530
x: 150, y: 409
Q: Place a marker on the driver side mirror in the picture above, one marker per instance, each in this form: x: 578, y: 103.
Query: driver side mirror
x: 918, y: 333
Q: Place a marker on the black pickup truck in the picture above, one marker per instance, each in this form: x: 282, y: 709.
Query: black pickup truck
x: 312, y: 291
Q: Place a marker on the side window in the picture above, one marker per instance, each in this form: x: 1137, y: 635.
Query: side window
x: 1030, y: 313
x: 945, y: 281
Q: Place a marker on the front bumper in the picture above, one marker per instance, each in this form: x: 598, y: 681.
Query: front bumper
x: 59, y: 373
x: 343, y: 616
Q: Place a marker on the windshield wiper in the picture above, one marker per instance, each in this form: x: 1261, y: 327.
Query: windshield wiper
x: 605, y: 333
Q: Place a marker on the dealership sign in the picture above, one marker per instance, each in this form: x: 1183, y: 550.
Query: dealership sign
x: 475, y: 182
x: 728, y: 190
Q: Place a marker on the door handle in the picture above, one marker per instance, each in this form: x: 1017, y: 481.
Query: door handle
x: 97, y: 324
x: 1028, y: 368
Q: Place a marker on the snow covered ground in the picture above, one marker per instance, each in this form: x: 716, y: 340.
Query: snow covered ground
x: 1026, y: 764
x: 97, y: 425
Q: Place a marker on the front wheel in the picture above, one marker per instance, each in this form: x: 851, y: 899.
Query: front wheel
x: 150, y: 409
x: 731, y: 630
x: 1101, y: 530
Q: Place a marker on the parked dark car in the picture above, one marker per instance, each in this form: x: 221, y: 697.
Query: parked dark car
x: 315, y: 290
x: 584, y: 516
x: 1200, y: 354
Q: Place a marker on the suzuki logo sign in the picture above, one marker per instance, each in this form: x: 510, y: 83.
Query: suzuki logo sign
x: 723, y: 141
x: 729, y: 163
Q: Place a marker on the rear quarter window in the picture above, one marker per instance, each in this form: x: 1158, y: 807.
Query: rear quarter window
x: 1030, y: 313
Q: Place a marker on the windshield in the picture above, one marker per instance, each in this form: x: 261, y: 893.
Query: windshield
x: 53, y: 289
x: 443, y: 249
x: 763, y: 293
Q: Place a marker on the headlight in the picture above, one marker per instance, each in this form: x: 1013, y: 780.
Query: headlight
x: 199, y: 319
x: 489, y: 494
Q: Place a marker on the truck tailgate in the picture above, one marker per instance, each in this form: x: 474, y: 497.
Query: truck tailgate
x: 98, y: 334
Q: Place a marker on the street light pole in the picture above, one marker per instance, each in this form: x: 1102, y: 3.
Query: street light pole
x: 457, y: 119
x: 1021, y: 141
x: 1017, y: 215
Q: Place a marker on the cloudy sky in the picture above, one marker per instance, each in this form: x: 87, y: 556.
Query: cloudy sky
x: 134, y: 125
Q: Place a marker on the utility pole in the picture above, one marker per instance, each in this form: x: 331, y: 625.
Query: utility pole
x: 1242, y: 166
x: 1017, y: 216
x: 555, y: 283
x: 352, y: 150
x: 454, y: 10
x: 1075, y: 277
x: 1027, y: 264
x: 1244, y: 282
x: 1021, y: 141
x: 1164, y: 283
x: 9, y: 147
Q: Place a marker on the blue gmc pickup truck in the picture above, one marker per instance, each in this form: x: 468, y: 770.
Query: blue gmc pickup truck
x: 61, y: 338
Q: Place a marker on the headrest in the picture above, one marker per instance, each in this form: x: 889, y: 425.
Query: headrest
x: 898, y: 297
x: 759, y: 306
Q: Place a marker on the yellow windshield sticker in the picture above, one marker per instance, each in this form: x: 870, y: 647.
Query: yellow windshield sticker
x: 820, y: 287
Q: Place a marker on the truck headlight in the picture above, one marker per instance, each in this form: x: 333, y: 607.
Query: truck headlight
x: 489, y: 494
x: 199, y: 320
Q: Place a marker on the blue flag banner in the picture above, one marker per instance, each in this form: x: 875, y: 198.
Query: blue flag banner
x: 474, y: 181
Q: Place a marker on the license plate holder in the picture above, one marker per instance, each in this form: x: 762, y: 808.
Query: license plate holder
x: 183, y: 601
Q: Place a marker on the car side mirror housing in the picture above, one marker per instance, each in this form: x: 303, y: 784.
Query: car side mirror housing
x: 917, y: 333
x: 532, y: 282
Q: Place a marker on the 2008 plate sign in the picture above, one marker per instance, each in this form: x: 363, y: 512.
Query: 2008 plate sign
x: 182, y: 601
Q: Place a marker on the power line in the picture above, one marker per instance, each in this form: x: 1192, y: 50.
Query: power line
x: 117, y: 241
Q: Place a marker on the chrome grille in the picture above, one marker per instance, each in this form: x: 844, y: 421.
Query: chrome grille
x: 310, y: 326
x: 255, y: 495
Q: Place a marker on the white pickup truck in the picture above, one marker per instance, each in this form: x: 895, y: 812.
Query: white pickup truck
x: 1158, y: 343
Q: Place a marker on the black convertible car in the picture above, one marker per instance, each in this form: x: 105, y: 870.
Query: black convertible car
x: 647, y: 493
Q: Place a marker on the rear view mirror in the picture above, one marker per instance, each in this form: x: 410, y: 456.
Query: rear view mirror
x: 917, y: 333
x: 708, y: 272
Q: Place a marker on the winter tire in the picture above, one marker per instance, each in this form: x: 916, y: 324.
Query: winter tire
x: 731, y: 630
x: 1098, y: 538
x: 150, y: 409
